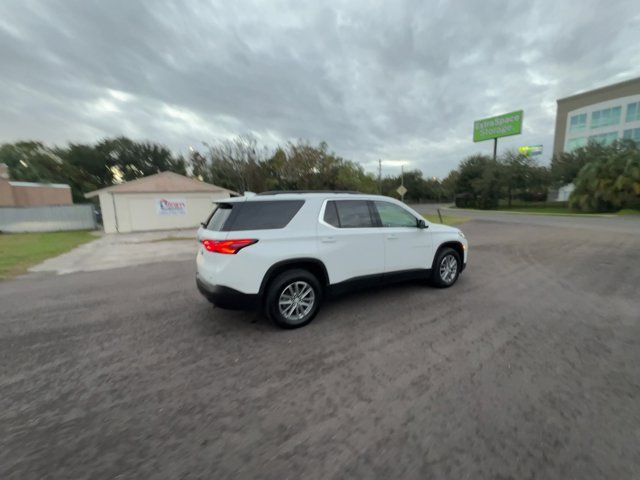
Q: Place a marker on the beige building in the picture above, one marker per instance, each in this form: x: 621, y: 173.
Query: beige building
x: 163, y: 201
x: 31, y: 194
x: 601, y: 115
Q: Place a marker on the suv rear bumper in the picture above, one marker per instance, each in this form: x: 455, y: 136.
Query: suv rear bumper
x: 225, y: 297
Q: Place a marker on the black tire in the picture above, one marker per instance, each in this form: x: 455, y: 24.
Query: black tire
x: 441, y: 274
x: 294, y: 278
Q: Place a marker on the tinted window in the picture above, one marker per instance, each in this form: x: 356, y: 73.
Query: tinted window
x: 262, y: 215
x: 219, y: 217
x: 394, y: 216
x: 331, y: 214
x: 354, y: 214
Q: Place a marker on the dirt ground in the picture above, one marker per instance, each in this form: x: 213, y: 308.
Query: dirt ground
x: 529, y: 367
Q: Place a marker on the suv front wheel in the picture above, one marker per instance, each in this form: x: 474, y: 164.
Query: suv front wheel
x: 293, y: 298
x: 446, y: 268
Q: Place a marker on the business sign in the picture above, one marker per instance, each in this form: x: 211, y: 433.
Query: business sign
x: 500, y: 126
x: 171, y: 206
x: 530, y: 150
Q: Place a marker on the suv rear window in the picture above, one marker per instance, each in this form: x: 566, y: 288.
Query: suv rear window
x: 229, y: 217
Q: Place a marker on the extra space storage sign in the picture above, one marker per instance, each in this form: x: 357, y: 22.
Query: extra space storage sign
x: 500, y: 126
x: 171, y: 206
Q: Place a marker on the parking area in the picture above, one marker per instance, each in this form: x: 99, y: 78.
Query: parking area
x: 123, y: 250
x: 529, y: 367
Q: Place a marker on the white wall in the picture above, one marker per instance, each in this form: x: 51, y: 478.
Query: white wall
x: 565, y: 191
x: 135, y: 212
x: 108, y: 215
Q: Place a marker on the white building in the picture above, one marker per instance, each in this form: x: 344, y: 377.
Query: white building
x: 164, y: 201
x: 601, y: 115
x: 564, y: 192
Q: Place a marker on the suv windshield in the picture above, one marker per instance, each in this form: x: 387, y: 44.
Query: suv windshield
x: 257, y: 215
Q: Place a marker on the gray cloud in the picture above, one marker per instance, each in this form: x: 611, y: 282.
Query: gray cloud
x: 401, y: 81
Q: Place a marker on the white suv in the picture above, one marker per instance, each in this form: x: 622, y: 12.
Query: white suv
x: 284, y: 252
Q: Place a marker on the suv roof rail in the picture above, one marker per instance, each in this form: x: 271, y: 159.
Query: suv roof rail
x: 282, y: 192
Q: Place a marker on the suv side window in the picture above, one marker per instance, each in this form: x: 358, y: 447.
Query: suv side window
x: 218, y: 217
x: 350, y: 214
x: 392, y: 215
x: 331, y: 215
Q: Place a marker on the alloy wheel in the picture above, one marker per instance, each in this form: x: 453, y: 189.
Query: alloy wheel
x: 448, y: 268
x: 296, y: 301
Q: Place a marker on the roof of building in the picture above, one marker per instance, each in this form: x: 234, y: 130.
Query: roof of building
x: 34, y: 184
x: 160, y: 183
x: 606, y: 88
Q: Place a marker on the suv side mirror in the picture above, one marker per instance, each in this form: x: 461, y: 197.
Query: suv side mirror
x: 422, y: 224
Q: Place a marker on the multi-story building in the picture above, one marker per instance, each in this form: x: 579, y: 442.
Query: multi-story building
x: 601, y: 115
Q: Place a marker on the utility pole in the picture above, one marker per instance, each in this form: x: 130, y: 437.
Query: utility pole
x: 380, y: 176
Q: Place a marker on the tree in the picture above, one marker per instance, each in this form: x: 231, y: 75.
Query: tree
x: 32, y: 162
x: 129, y: 160
x: 85, y: 169
x: 478, y: 182
x: 88, y: 167
x: 565, y: 166
x: 240, y: 165
x: 237, y: 164
x: 522, y: 177
x: 610, y: 181
x: 199, y: 166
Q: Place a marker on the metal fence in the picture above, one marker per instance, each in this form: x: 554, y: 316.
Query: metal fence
x: 47, y: 219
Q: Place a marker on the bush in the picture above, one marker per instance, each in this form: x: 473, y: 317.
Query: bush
x: 465, y: 200
x: 611, y: 179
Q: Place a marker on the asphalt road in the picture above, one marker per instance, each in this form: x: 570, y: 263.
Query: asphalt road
x: 610, y: 223
x: 528, y: 368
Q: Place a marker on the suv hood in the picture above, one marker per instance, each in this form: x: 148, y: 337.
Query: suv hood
x: 438, y: 227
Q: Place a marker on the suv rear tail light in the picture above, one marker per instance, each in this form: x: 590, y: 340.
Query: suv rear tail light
x: 227, y: 246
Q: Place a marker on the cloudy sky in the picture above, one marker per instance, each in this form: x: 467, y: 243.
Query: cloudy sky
x: 397, y: 80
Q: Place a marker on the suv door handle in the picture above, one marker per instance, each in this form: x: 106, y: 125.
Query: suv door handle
x: 392, y: 236
x: 328, y: 239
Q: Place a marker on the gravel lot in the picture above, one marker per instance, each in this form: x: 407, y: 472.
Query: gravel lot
x: 528, y: 368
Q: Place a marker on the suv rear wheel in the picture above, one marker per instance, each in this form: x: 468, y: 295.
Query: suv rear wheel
x: 446, y: 268
x: 293, y: 298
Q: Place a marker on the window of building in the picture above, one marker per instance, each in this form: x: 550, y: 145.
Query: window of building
x: 606, y: 117
x: 632, y: 134
x: 578, y: 123
x: 604, y: 138
x: 633, y: 112
x: 574, y: 143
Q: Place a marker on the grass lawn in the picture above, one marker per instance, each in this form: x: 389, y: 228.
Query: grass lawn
x: 19, y: 251
x: 629, y: 211
x: 447, y: 219
x: 548, y: 210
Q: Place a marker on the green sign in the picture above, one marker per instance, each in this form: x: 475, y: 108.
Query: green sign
x: 500, y: 126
